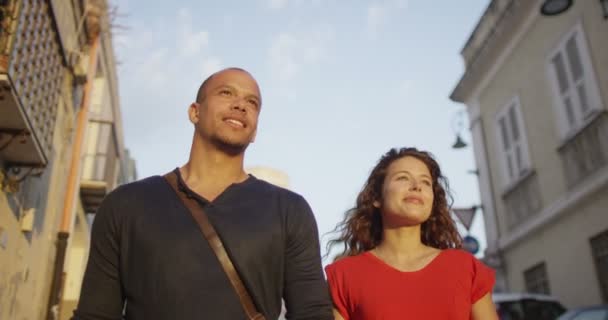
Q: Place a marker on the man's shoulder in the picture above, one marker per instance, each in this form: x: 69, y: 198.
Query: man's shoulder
x: 279, y: 191
x: 132, y: 190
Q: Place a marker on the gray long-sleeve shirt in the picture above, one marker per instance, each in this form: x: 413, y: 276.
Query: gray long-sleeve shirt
x: 147, y: 251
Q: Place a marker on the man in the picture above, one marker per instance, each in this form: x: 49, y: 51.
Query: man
x: 149, y: 259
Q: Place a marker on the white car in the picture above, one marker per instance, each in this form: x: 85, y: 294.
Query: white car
x: 527, y: 306
x: 586, y: 313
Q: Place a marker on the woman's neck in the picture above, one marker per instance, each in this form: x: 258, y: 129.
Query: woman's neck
x: 402, y: 242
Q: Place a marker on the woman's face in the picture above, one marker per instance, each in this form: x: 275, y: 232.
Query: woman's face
x: 407, y: 193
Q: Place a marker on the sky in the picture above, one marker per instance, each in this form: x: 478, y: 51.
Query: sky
x: 342, y: 82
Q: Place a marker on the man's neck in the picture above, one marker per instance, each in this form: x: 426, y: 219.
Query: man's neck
x: 210, y: 171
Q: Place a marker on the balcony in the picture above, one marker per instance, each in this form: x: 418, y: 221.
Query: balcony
x: 100, y: 166
x: 586, y: 152
x: 522, y: 200
x: 31, y: 74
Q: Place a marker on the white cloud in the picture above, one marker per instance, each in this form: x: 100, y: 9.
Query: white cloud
x: 210, y: 66
x: 277, y: 4
x: 378, y: 14
x: 153, y: 68
x: 405, y: 88
x: 280, y: 4
x: 400, y: 4
x: 189, y: 41
x: 283, y: 63
x: 290, y: 53
x: 153, y: 52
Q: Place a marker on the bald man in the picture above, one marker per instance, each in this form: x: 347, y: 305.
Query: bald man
x: 148, y: 259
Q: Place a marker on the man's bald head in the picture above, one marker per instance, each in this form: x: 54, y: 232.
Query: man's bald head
x: 202, y: 90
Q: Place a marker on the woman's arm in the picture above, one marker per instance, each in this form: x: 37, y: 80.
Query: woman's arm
x: 483, y: 309
x: 337, y: 315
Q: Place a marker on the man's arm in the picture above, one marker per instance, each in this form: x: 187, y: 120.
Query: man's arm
x: 306, y: 294
x: 101, y: 295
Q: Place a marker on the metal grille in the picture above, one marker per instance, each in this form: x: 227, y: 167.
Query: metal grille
x: 523, y: 201
x: 35, y: 67
x: 537, y: 280
x: 587, y: 152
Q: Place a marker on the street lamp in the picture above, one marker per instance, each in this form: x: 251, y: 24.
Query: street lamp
x: 459, y: 144
x: 555, y: 7
x: 604, y: 4
x: 458, y: 123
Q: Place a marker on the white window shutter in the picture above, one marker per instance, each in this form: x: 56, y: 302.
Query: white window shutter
x: 564, y: 88
x: 513, y: 142
x: 575, y: 89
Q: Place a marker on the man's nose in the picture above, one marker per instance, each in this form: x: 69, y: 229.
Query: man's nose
x: 237, y: 104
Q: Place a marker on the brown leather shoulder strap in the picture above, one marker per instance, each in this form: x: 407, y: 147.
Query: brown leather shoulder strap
x: 218, y: 248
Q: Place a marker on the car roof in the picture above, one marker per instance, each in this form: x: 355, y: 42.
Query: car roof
x: 588, y: 308
x: 504, y: 297
x: 576, y: 311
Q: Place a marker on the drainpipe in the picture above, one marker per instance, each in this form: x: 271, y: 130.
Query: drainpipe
x: 73, y: 184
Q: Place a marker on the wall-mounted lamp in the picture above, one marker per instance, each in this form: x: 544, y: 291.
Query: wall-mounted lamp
x: 459, y: 144
x: 604, y: 4
x: 555, y: 7
x: 458, y: 124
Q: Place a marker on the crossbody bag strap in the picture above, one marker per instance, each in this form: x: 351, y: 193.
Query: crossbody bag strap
x: 218, y: 248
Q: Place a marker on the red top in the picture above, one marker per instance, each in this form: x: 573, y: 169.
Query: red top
x: 365, y: 287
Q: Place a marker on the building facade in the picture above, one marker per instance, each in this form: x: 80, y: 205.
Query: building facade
x: 536, y: 91
x: 61, y: 148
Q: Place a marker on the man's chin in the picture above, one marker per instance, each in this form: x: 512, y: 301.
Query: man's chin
x: 231, y: 147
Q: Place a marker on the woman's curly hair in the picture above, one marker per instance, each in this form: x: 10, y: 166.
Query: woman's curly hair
x: 361, y: 229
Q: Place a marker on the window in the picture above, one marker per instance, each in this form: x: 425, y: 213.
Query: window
x: 537, y: 280
x: 512, y: 143
x: 574, y: 88
x: 599, y: 247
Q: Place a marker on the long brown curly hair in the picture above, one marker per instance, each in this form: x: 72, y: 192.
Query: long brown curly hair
x: 361, y: 229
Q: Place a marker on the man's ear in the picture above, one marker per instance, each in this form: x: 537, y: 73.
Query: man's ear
x: 193, y: 112
x: 376, y: 204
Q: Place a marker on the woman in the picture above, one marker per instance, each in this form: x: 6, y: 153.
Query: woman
x: 402, y: 257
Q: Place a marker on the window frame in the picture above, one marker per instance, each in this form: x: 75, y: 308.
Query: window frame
x: 567, y: 130
x: 520, y: 169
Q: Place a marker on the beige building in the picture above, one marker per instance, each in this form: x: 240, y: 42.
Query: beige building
x: 61, y: 148
x: 536, y: 91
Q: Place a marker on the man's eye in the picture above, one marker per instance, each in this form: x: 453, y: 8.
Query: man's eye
x: 225, y: 92
x: 402, y: 178
x: 253, y: 102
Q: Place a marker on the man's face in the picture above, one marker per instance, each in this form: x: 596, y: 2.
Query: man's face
x: 228, y: 113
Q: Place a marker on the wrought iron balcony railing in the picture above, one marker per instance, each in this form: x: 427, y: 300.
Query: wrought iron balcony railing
x: 31, y: 74
x: 587, y: 151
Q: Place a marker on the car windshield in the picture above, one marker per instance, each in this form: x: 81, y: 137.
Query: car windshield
x: 529, y: 309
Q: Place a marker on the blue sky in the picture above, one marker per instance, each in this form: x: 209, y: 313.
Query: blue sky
x: 342, y: 82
